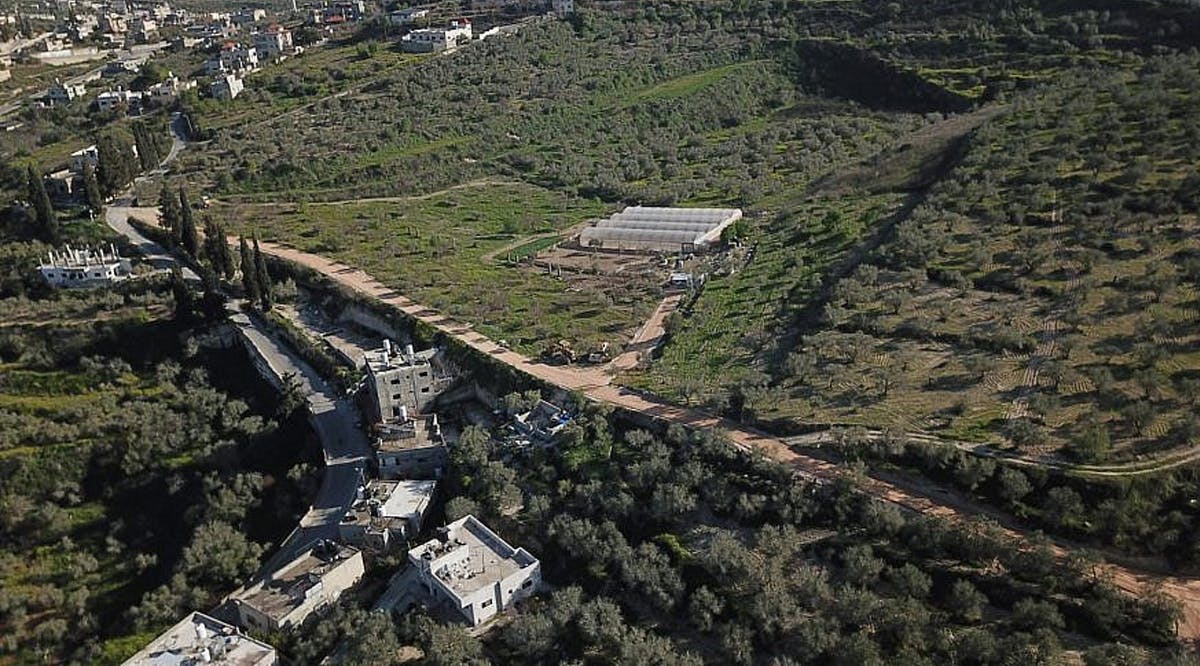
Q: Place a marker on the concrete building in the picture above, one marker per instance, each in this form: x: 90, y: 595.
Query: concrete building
x: 248, y: 16
x: 652, y: 229
x: 274, y: 42
x: 404, y: 383
x: 563, y: 8
x: 227, y: 87
x: 474, y: 570
x: 233, y: 58
x: 86, y: 267
x: 163, y: 93
x: 112, y: 99
x: 113, y: 24
x: 200, y: 639
x: 430, y: 40
x: 84, y: 156
x: 64, y: 93
x: 386, y: 513
x: 411, y: 448
x: 302, y: 587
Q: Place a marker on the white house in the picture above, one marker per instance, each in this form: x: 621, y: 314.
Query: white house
x: 409, y: 16
x: 169, y: 89
x: 227, y: 87
x: 111, y: 99
x: 302, y: 587
x: 475, y: 570
x: 430, y: 40
x: 74, y: 268
x: 273, y: 42
x: 232, y: 58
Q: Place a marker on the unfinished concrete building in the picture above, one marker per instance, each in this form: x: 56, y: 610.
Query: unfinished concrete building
x: 406, y: 382
x: 411, y: 448
x: 386, y: 513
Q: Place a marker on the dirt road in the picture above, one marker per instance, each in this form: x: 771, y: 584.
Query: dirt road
x: 597, y: 385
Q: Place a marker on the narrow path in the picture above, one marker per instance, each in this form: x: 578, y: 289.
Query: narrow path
x: 597, y: 386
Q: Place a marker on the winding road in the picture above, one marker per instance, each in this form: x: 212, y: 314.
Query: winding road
x: 334, y: 417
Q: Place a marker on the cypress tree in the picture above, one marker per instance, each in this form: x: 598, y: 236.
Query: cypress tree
x: 91, y: 188
x: 189, y: 236
x: 262, y: 276
x: 168, y: 207
x: 249, y: 271
x: 228, y: 265
x: 47, y: 221
x: 185, y: 302
x: 216, y: 250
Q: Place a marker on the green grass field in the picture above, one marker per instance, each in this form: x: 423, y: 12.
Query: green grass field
x: 432, y: 248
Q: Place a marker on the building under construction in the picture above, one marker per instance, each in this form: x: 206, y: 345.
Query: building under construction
x: 85, y: 267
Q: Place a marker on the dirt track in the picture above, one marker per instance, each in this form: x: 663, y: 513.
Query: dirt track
x: 597, y: 385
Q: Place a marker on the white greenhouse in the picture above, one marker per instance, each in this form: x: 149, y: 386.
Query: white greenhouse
x: 651, y: 229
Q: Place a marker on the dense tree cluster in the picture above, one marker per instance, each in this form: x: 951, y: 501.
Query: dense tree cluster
x: 133, y: 488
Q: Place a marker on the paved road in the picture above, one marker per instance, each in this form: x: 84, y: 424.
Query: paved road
x: 116, y: 216
x: 597, y: 385
x: 335, y: 418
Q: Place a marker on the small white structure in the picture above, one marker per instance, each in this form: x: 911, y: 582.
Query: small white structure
x: 86, y: 267
x: 64, y: 93
x: 475, y: 570
x: 386, y: 512
x: 227, y: 87
x: 302, y: 587
x: 200, y: 639
x: 653, y: 229
x: 430, y: 40
x: 409, y: 16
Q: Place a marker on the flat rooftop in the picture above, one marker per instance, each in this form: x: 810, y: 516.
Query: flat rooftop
x: 416, y: 434
x: 288, y: 588
x: 185, y: 642
x: 387, y: 503
x: 490, y: 558
x: 391, y: 357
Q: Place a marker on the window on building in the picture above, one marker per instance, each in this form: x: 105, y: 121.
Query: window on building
x: 425, y: 390
x: 527, y: 584
x: 486, y: 604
